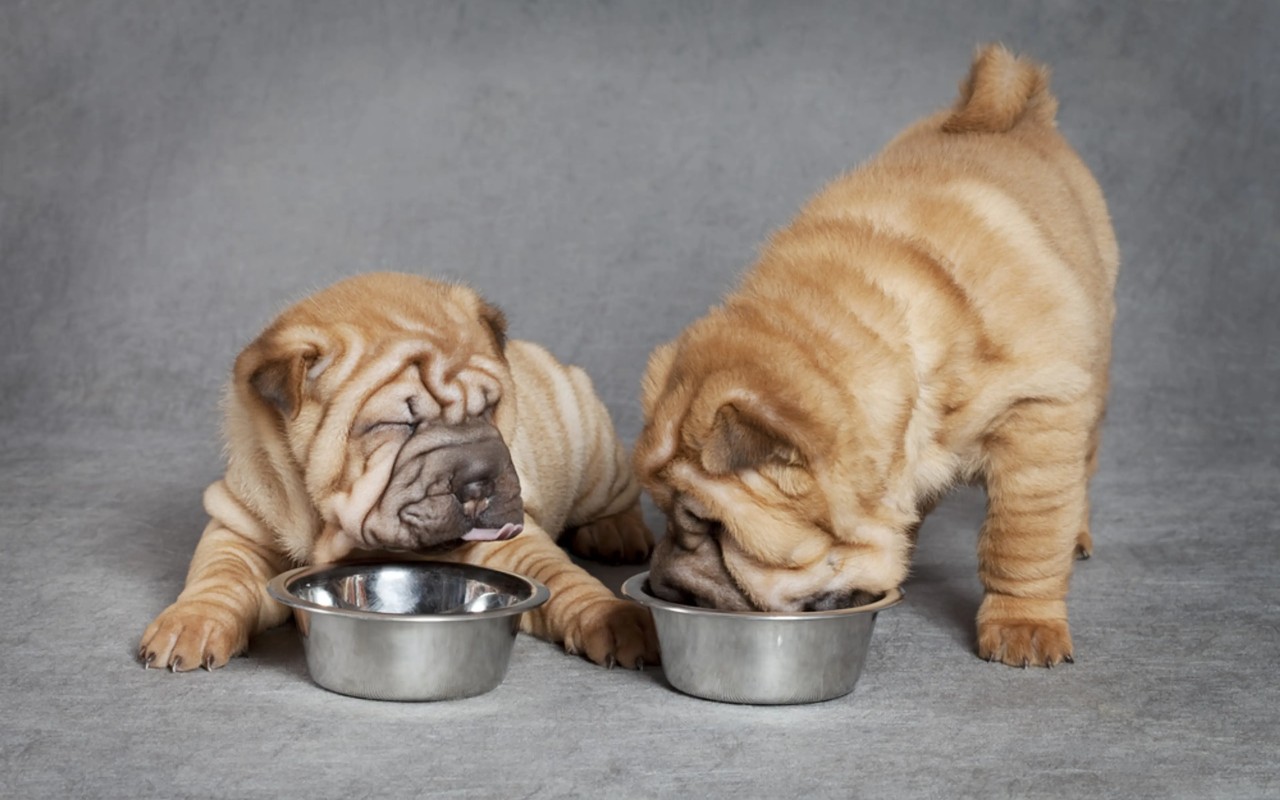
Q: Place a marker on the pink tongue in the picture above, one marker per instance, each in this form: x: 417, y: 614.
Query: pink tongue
x: 492, y: 534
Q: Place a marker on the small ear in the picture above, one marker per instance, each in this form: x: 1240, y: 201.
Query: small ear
x: 278, y: 380
x: 492, y: 316
x: 739, y: 441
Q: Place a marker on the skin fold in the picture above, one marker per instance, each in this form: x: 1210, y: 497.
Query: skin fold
x: 941, y: 314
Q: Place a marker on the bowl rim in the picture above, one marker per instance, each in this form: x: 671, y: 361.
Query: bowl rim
x: 633, y: 588
x: 278, y: 588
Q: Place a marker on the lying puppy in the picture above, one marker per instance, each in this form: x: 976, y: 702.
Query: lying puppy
x: 389, y: 413
x: 942, y: 313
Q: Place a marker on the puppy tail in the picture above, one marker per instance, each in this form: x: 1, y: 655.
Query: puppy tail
x: 1002, y: 91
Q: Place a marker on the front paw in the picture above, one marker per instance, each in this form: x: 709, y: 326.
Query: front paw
x: 191, y: 634
x: 1025, y: 642
x: 614, y: 632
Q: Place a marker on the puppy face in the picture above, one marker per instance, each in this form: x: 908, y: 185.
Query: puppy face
x: 418, y: 482
x: 389, y: 395
x: 763, y: 514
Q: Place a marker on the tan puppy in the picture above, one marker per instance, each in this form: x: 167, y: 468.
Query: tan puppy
x: 389, y: 413
x: 942, y: 313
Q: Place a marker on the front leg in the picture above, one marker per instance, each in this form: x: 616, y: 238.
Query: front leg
x: 582, y: 613
x: 225, y: 598
x: 1037, y: 507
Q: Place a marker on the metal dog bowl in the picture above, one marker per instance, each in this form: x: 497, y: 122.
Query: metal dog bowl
x: 760, y: 657
x: 414, y: 630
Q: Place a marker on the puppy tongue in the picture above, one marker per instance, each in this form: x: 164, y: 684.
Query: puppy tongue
x: 492, y: 534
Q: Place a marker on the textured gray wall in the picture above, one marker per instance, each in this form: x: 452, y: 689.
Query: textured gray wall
x: 172, y: 173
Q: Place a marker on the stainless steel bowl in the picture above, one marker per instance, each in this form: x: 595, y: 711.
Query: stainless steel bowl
x: 417, y: 630
x: 760, y: 657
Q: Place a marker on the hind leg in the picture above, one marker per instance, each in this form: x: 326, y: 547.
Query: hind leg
x: 620, y: 538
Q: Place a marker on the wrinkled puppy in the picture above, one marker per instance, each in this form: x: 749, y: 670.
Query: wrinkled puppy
x: 943, y: 313
x: 389, y: 413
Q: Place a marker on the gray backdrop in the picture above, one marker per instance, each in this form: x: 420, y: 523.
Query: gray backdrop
x: 173, y: 173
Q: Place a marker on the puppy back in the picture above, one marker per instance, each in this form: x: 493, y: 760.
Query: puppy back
x: 572, y: 465
x: 1002, y: 91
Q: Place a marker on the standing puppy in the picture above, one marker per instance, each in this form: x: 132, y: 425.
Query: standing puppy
x: 942, y: 313
x: 389, y: 413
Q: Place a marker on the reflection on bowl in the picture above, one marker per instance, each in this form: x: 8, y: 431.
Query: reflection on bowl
x: 407, y: 630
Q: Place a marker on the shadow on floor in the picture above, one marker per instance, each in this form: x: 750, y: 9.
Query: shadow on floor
x: 946, y: 599
x: 281, y: 649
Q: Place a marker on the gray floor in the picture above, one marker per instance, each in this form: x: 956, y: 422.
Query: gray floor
x: 171, y: 173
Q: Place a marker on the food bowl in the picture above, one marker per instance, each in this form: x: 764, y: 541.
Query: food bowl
x: 760, y: 657
x: 407, y: 630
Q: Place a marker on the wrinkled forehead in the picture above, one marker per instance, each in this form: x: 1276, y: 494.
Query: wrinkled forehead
x: 449, y: 376
x: 439, y: 379
x: 406, y: 378
x: 419, y: 393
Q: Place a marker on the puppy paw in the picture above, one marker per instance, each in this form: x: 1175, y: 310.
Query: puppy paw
x: 191, y: 634
x: 615, y: 632
x: 619, y: 539
x: 1025, y: 642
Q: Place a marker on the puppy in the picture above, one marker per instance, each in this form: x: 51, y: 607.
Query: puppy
x: 942, y: 313
x: 389, y: 414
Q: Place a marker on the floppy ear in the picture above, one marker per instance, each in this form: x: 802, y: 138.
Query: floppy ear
x: 277, y: 378
x: 742, y: 440
x: 493, y: 317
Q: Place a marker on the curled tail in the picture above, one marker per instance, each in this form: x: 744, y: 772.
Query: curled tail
x: 1002, y: 91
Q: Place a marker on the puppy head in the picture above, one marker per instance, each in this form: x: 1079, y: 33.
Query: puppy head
x: 389, y: 396
x: 775, y: 498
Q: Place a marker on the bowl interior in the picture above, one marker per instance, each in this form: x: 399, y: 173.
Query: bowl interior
x: 411, y: 589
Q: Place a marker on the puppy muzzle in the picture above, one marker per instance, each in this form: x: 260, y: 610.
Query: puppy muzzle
x: 450, y: 484
x: 694, y: 576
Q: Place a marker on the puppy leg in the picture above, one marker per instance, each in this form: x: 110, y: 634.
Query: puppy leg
x: 582, y: 613
x: 225, y: 600
x: 1037, y: 507
x: 620, y: 538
